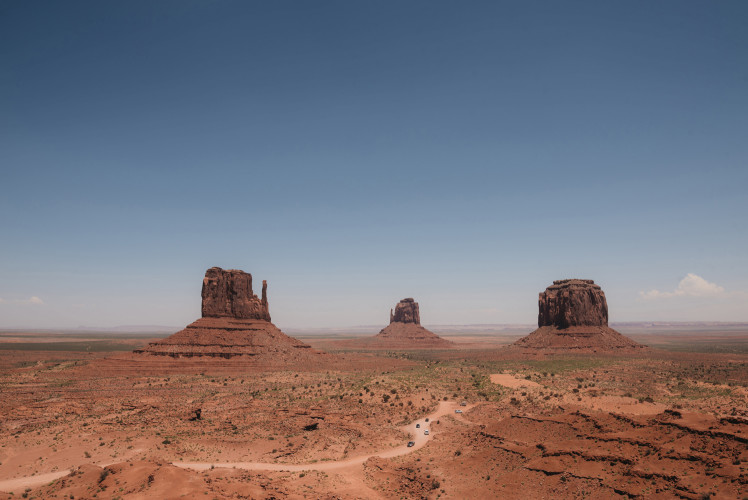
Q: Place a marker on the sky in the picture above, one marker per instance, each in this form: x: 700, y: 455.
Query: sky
x: 465, y: 154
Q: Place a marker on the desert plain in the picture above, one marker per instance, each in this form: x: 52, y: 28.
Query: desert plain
x: 84, y: 417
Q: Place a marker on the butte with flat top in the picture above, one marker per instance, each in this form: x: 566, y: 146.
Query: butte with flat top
x: 405, y: 331
x: 573, y: 314
x: 235, y: 322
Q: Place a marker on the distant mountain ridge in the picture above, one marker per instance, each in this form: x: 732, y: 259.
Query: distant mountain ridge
x: 130, y: 329
x: 520, y: 328
x: 476, y: 328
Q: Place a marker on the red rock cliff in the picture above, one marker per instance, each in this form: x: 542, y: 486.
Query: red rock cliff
x: 406, y: 311
x: 572, y: 303
x: 228, y: 293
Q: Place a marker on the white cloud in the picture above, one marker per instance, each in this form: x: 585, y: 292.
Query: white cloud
x: 30, y: 301
x: 690, y: 286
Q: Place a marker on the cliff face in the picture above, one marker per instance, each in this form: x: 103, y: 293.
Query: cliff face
x: 405, y: 331
x: 228, y: 294
x: 406, y: 311
x: 573, y: 314
x: 572, y: 302
x: 235, y: 322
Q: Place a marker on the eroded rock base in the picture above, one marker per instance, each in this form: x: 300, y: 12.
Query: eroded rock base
x: 600, y: 338
x: 225, y: 338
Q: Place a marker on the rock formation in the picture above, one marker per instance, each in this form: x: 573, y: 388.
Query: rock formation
x: 404, y: 331
x: 235, y: 322
x: 573, y: 314
x: 228, y: 294
x: 572, y: 303
x: 406, y: 311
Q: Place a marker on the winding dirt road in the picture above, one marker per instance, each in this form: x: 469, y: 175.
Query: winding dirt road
x: 19, y: 484
x: 417, y: 435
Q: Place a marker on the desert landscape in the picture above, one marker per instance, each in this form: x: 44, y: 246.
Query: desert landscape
x: 390, y: 250
x: 233, y: 408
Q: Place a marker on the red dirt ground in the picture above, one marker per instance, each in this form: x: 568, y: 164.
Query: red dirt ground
x: 654, y: 424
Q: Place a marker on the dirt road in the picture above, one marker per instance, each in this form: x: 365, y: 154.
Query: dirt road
x: 19, y: 484
x: 417, y: 435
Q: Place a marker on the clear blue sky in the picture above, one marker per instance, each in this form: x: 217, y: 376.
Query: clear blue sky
x: 354, y: 153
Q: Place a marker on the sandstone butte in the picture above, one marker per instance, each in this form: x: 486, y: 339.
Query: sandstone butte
x: 235, y: 322
x: 405, y: 331
x: 573, y: 314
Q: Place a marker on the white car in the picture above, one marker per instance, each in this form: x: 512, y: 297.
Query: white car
x: 426, y: 432
x: 458, y: 411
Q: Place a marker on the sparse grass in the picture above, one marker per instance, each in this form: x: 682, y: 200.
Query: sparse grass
x: 246, y: 416
x: 707, y: 347
x: 80, y: 346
